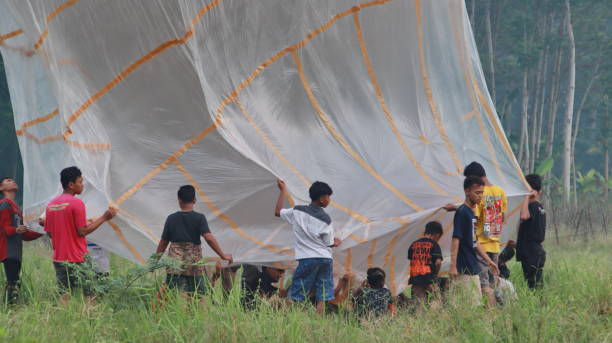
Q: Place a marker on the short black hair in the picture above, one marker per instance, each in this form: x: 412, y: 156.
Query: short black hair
x: 433, y: 228
x: 186, y: 193
x: 471, y: 181
x: 376, y: 277
x: 1, y: 182
x: 474, y: 169
x: 70, y: 174
x: 319, y: 189
x: 535, y: 181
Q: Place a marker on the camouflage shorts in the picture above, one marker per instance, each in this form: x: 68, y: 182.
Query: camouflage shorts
x: 190, y: 255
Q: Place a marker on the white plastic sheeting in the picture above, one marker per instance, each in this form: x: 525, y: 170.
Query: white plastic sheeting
x: 384, y: 100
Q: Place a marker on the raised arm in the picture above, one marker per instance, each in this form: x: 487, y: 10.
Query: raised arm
x: 450, y: 207
x: 281, y: 197
x: 525, y: 215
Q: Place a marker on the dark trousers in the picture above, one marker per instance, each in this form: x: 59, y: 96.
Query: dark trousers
x: 12, y: 269
x: 533, y: 272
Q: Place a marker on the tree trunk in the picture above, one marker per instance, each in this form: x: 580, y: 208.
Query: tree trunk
x: 606, y: 172
x: 489, y: 38
x: 534, y: 115
x: 473, y: 16
x: 509, y: 127
x: 585, y: 96
x: 524, y: 146
x: 606, y: 148
x: 538, y: 139
x: 574, y: 187
x: 552, y: 106
x: 544, y: 31
x: 569, y: 109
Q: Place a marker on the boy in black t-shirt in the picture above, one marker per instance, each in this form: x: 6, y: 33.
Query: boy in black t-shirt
x: 425, y: 258
x: 529, y: 250
x: 182, y: 231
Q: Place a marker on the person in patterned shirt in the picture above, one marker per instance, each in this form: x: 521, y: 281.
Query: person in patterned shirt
x: 373, y: 299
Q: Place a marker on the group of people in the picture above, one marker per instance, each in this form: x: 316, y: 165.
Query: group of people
x: 477, y: 265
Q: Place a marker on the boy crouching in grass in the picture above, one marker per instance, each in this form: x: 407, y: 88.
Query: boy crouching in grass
x: 425, y: 258
x: 314, y: 238
x: 182, y: 231
x: 373, y: 299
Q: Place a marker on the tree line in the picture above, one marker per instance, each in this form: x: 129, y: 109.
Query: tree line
x: 548, y: 68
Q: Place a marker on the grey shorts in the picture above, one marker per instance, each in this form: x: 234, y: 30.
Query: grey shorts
x: 487, y: 279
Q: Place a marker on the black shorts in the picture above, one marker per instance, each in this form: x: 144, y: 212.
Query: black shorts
x: 187, y: 283
x: 71, y: 277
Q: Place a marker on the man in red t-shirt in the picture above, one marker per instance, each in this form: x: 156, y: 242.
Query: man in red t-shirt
x: 12, y: 235
x: 66, y: 223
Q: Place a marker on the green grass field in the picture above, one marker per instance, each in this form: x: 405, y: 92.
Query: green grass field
x: 574, y: 306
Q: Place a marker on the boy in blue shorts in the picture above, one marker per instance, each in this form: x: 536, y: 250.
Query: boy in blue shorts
x: 314, y: 238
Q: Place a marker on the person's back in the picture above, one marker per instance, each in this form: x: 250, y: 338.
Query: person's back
x: 182, y: 231
x: 425, y: 258
x: 532, y: 232
x: 372, y: 301
x: 314, y: 238
x: 312, y: 231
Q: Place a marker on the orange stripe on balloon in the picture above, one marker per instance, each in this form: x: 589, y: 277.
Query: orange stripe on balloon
x: 388, y: 116
x: 330, y: 127
x: 429, y: 93
x: 233, y: 225
x: 50, y: 17
x: 10, y: 35
x: 125, y: 242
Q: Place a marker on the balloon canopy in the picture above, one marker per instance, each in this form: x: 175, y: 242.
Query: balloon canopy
x: 384, y: 100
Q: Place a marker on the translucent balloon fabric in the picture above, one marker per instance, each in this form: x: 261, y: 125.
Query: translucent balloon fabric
x: 383, y: 100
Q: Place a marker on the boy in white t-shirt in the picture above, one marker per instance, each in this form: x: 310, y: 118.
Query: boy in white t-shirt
x: 314, y: 238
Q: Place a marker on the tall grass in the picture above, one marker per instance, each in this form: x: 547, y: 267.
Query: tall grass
x: 574, y: 306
